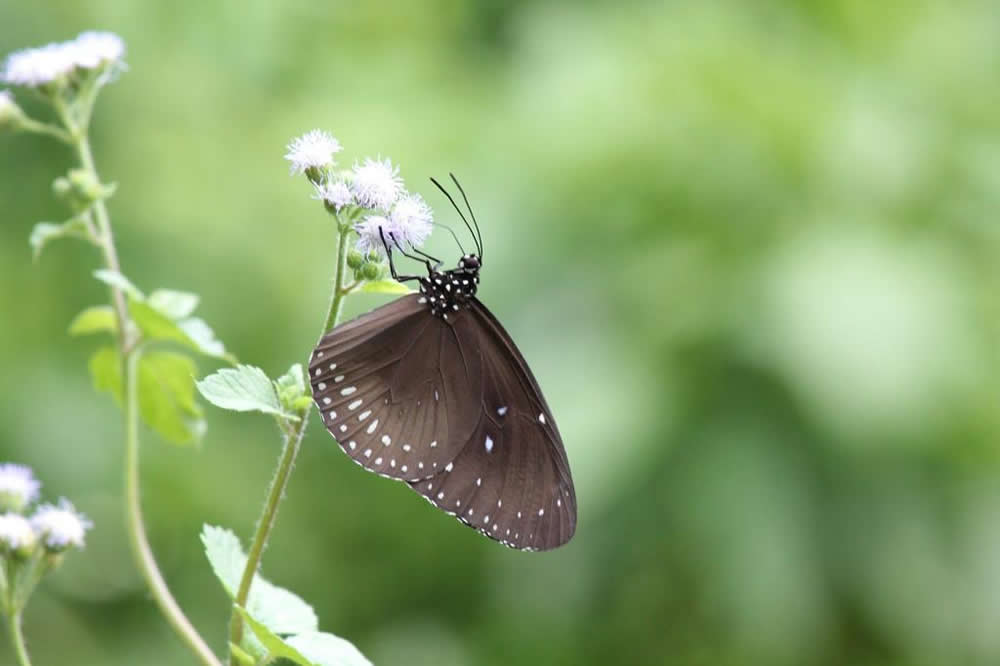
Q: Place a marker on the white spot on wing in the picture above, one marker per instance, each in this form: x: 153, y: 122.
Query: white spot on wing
x: 407, y: 447
x: 338, y: 379
x: 343, y: 428
x: 333, y: 366
x: 489, y: 444
x: 501, y: 411
x: 541, y: 418
x: 327, y: 401
x: 541, y: 512
x: 321, y: 386
x: 441, y: 495
x: 386, y: 440
x: 365, y: 414
x: 354, y: 405
x: 449, y: 467
x: 378, y: 461
x: 368, y: 453
x: 434, y: 444
x: 352, y: 444
x: 479, y: 482
x: 348, y: 390
x: 372, y: 426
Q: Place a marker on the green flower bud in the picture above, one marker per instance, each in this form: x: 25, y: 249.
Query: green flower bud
x: 62, y: 188
x: 11, y: 115
x: 370, y: 271
x: 354, y: 259
x: 373, y: 255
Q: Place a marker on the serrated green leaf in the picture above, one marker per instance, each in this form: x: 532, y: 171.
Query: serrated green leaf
x: 281, y: 611
x: 323, y: 649
x: 95, y: 319
x: 275, y: 646
x: 44, y: 233
x: 244, y: 388
x: 167, y: 398
x: 173, y: 304
x: 106, y: 372
x: 191, y: 332
x: 203, y: 338
x: 385, y: 287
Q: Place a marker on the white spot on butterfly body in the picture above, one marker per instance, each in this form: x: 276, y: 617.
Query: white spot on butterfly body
x: 501, y: 411
x: 348, y: 390
x: 372, y: 426
x: 386, y: 440
x: 354, y: 405
x: 321, y: 386
x: 449, y: 467
x: 327, y: 401
x: 365, y: 414
x: 338, y: 379
x: 352, y: 444
x: 489, y: 444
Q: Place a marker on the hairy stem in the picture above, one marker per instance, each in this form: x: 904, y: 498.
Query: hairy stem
x: 290, y: 450
x: 137, y: 532
x: 17, y: 639
x: 129, y: 354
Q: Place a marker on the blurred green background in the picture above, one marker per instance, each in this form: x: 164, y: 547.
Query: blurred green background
x: 750, y: 250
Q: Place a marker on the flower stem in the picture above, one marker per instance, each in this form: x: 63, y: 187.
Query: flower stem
x: 130, y: 356
x: 293, y: 440
x: 137, y: 532
x: 17, y: 638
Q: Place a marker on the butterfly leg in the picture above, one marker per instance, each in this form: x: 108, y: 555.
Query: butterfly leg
x: 392, y: 264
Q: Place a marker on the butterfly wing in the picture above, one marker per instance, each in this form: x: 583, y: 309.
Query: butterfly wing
x: 511, y: 480
x: 399, y: 388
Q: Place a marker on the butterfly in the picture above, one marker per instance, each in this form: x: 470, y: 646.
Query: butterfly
x: 431, y: 390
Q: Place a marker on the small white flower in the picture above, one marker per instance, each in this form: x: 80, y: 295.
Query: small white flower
x: 18, y: 486
x: 376, y: 183
x: 15, y: 532
x: 6, y: 100
x: 60, y: 526
x: 38, y: 66
x: 313, y: 149
x: 369, y: 237
x: 412, y: 219
x: 93, y: 48
x: 335, y: 193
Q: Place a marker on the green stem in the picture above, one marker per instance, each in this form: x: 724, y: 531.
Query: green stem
x: 137, y: 532
x: 290, y: 450
x: 17, y: 639
x: 130, y: 355
x: 32, y: 125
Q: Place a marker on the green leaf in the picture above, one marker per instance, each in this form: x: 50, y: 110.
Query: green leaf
x: 242, y: 657
x: 166, y: 397
x: 192, y: 332
x: 44, y: 233
x: 203, y: 338
x: 95, y: 319
x: 323, y: 649
x: 385, y: 287
x: 291, y: 389
x: 106, y: 371
x: 275, y: 646
x: 174, y: 304
x: 244, y: 388
x: 281, y: 611
x: 116, y: 279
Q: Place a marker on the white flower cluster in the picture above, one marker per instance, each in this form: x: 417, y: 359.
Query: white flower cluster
x: 374, y: 185
x: 57, y: 526
x: 42, y: 65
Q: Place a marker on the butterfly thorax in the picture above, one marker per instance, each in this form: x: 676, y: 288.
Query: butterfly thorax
x: 446, y: 292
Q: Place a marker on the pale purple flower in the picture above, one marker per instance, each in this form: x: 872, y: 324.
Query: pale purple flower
x: 60, y: 526
x: 412, y: 219
x: 93, y: 48
x: 18, y: 486
x: 376, y: 183
x: 15, y: 532
x: 312, y: 150
x: 369, y: 237
x: 336, y: 194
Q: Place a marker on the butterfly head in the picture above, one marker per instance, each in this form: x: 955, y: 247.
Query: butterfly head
x: 470, y: 262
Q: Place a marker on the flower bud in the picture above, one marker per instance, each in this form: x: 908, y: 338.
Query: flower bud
x: 354, y: 259
x: 60, y: 526
x: 18, y: 487
x: 370, y: 271
x: 16, y: 535
x: 11, y: 115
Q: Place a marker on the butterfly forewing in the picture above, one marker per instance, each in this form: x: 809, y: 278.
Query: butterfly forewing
x: 396, y: 390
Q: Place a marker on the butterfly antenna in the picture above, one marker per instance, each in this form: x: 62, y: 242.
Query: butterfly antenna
x: 471, y: 214
x: 460, y: 214
x: 453, y: 235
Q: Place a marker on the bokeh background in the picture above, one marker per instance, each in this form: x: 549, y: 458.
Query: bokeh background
x: 750, y: 250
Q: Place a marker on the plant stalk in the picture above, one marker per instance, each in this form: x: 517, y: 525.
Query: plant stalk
x: 17, y: 639
x: 290, y: 451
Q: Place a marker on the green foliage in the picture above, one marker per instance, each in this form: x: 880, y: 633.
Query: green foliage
x: 173, y: 304
x: 385, y: 287
x: 245, y: 388
x: 116, y: 279
x: 166, y: 396
x: 95, y: 319
x: 281, y: 611
x: 292, y: 391
x: 314, y: 648
x: 44, y: 233
x: 106, y: 371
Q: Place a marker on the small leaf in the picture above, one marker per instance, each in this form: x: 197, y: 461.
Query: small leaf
x: 244, y: 388
x: 202, y: 336
x: 385, y: 287
x: 95, y: 319
x: 106, y: 371
x: 283, y: 612
x: 192, y: 332
x: 275, y: 646
x: 291, y: 389
x: 44, y: 233
x: 116, y: 279
x: 323, y: 649
x: 174, y: 304
x: 166, y: 397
